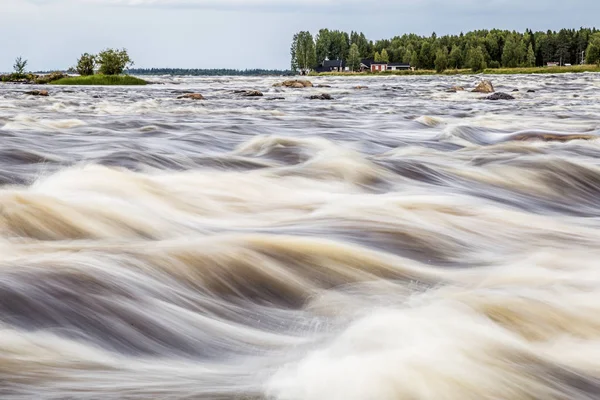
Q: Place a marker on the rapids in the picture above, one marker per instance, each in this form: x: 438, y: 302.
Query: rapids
x: 396, y: 243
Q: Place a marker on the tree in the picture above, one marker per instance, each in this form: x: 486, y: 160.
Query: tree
x: 322, y: 45
x: 414, y: 59
x: 455, y: 60
x: 303, y: 52
x: 86, y: 64
x: 530, y: 56
x: 441, y: 60
x: 384, y: 56
x: 294, y: 59
x: 19, y: 66
x: 425, y: 57
x: 113, y: 62
x: 377, y: 57
x: 476, y: 59
x: 592, y: 55
x: 512, y: 55
x: 354, y: 57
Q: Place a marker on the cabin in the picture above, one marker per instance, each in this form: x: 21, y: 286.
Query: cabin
x: 398, y: 67
x: 379, y: 67
x: 332, y: 66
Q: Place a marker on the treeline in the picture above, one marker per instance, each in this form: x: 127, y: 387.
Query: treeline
x: 207, y: 72
x: 477, y: 49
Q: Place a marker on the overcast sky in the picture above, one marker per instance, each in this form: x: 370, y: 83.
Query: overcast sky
x: 51, y: 34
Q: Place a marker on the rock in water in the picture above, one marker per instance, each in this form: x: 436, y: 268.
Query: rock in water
x: 359, y: 87
x: 455, y: 89
x: 500, y: 96
x: 38, y: 93
x: 249, y: 93
x: 484, y: 86
x: 323, y: 96
x: 531, y: 91
x: 515, y: 90
x: 193, y: 96
x: 295, y: 84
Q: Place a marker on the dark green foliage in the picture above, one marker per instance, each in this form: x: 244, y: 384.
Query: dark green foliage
x: 476, y: 59
x: 498, y: 47
x: 19, y: 67
x: 441, y: 60
x: 113, y: 62
x: 86, y: 64
x: 101, y: 80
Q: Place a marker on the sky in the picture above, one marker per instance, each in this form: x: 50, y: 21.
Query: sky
x: 52, y: 34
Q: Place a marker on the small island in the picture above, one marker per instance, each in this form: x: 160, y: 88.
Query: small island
x: 106, y: 68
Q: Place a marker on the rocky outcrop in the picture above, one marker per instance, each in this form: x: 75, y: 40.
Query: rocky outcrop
x: 32, y: 78
x: 297, y: 84
x: 500, y: 96
x: 192, y: 96
x: 54, y: 76
x: 322, y: 96
x: 38, y: 93
x: 484, y: 86
x: 249, y: 93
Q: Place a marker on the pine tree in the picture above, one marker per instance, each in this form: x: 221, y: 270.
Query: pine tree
x: 530, y: 56
x: 384, y: 56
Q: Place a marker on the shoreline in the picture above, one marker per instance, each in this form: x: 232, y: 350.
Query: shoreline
x: 488, y: 71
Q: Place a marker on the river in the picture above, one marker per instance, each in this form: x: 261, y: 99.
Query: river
x: 398, y: 242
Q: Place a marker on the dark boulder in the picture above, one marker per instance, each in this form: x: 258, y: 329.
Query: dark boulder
x: 322, y: 96
x: 531, y: 91
x: 249, y: 93
x: 515, y: 90
x: 500, y: 96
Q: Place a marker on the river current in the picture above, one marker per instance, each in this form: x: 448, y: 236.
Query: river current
x: 399, y: 242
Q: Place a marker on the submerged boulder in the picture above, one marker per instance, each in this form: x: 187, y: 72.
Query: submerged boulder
x: 484, y: 86
x: 38, y: 93
x: 455, y: 89
x: 359, y: 87
x: 249, y: 93
x: 500, y: 96
x: 531, y: 91
x: 295, y: 83
x: 322, y: 96
x: 193, y: 96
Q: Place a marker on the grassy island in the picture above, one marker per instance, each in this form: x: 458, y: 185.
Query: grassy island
x: 100, y: 80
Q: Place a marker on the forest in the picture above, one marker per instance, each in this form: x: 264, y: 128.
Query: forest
x: 476, y: 50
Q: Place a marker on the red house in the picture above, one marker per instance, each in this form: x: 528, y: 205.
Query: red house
x: 378, y: 67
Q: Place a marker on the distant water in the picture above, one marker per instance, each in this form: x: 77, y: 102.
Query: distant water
x: 396, y: 243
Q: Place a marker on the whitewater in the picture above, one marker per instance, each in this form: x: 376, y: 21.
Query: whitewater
x: 398, y: 242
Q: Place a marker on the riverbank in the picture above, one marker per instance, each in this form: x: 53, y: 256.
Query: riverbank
x: 101, y: 80
x: 488, y: 71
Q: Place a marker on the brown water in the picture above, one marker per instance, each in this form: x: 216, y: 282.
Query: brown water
x: 398, y: 242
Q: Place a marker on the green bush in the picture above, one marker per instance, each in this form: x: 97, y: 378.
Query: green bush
x: 113, y: 62
x: 86, y: 64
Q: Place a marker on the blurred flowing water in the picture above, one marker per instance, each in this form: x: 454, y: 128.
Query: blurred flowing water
x: 397, y: 242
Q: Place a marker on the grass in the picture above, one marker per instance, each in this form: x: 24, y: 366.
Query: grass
x: 489, y: 71
x: 100, y: 80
